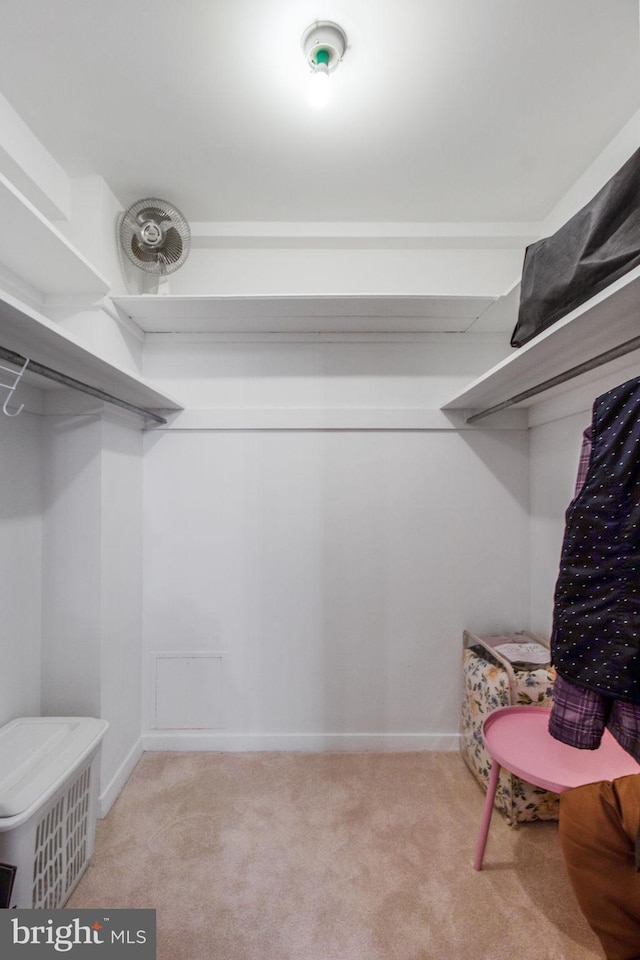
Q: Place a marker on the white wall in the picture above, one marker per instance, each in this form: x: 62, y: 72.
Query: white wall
x: 333, y: 572
x: 92, y: 556
x: 121, y: 597
x: 20, y: 565
x: 71, y: 564
x: 555, y: 450
x: 294, y: 373
x: 250, y: 270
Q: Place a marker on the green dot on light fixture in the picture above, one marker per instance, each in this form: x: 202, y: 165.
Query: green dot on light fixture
x: 323, y: 44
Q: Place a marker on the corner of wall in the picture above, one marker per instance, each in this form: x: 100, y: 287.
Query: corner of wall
x: 595, y: 176
x: 111, y: 791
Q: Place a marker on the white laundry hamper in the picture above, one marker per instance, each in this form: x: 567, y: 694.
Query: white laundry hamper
x: 49, y: 772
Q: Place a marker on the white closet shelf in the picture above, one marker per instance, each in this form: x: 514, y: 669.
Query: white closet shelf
x: 32, y: 248
x: 322, y: 313
x: 24, y: 331
x: 604, y: 322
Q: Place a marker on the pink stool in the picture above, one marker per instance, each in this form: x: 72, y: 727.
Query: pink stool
x: 518, y: 739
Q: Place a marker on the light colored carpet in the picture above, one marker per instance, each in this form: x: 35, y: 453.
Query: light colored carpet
x: 329, y: 857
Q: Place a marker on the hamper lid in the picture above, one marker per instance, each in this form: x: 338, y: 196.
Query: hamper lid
x: 37, y: 753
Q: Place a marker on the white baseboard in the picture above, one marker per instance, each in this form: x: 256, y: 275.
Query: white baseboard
x: 303, y: 742
x: 124, y: 771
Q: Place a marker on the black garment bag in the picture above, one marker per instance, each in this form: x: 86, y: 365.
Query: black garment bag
x: 598, y: 245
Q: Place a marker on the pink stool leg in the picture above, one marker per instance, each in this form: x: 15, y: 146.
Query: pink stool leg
x: 492, y: 786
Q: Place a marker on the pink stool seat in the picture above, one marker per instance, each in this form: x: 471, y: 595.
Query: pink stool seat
x: 518, y: 739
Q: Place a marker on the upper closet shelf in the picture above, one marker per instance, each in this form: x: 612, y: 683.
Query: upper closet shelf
x: 26, y: 332
x: 607, y: 324
x: 32, y: 248
x: 302, y: 314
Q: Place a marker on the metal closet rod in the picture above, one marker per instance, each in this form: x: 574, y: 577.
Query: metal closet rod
x: 66, y: 381
x: 623, y: 348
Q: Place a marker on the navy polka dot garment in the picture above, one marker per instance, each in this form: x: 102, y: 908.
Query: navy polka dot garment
x: 596, y: 621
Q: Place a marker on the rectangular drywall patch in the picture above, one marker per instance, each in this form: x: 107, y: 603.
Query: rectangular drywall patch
x: 188, y: 691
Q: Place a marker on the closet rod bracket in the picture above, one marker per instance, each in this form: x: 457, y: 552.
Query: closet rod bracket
x: 43, y: 371
x: 11, y: 387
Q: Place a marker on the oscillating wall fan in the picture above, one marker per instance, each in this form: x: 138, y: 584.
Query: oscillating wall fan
x: 154, y: 236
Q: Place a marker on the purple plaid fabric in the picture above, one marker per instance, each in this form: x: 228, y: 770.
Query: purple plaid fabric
x: 579, y: 717
x: 583, y: 462
x: 624, y: 724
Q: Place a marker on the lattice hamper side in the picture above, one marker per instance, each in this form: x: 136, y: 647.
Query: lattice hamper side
x: 491, y: 682
x: 50, y: 839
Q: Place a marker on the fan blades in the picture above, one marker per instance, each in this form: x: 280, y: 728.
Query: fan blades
x: 168, y: 251
x: 155, y: 236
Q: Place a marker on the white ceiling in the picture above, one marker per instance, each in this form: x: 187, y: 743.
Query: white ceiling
x: 443, y: 110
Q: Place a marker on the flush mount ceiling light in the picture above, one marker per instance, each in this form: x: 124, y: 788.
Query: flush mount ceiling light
x: 323, y: 44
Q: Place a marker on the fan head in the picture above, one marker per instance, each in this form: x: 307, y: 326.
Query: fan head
x: 155, y: 236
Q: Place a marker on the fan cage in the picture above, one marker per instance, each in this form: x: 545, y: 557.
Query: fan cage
x: 165, y: 224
